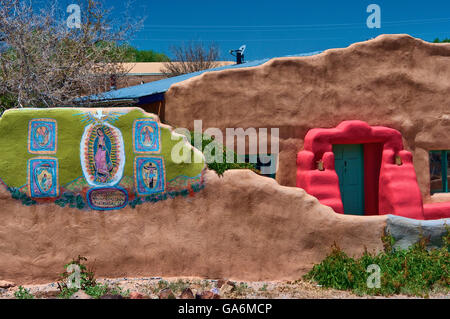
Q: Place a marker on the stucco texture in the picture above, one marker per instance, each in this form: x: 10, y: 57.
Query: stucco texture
x: 241, y: 226
x: 395, y: 81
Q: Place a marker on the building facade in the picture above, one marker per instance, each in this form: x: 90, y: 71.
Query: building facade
x: 365, y: 129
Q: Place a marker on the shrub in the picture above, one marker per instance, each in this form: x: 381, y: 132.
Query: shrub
x: 414, y: 271
x: 437, y: 40
x: 88, y: 282
x: 23, y: 293
x: 220, y: 168
x: 97, y: 291
x: 241, y: 289
x: 87, y: 278
x: 178, y: 286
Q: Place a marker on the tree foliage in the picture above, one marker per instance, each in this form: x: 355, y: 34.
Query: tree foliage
x: 437, y: 40
x: 191, y: 57
x: 46, y: 63
x: 134, y: 55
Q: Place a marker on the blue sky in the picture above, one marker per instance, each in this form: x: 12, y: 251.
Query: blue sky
x: 281, y: 27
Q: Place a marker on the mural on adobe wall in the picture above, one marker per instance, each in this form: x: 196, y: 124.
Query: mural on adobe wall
x: 242, y: 225
x: 100, y: 159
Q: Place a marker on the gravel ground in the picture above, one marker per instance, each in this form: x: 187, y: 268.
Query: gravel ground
x: 149, y: 288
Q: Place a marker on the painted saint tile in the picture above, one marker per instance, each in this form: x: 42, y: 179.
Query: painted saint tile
x: 149, y: 174
x: 42, y: 136
x: 43, y: 177
x: 146, y: 136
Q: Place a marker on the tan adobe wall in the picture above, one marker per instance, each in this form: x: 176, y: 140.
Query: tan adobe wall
x: 255, y: 230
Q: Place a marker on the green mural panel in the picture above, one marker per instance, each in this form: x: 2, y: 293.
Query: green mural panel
x: 93, y: 158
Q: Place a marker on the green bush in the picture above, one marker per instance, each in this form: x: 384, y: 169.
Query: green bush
x: 23, y: 293
x: 441, y: 41
x: 415, y: 271
x: 88, y: 282
x: 87, y: 278
x: 220, y: 168
x: 134, y: 55
x: 97, y: 291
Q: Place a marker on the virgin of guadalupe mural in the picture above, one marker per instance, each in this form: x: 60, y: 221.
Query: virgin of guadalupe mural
x: 102, y: 156
x: 102, y: 151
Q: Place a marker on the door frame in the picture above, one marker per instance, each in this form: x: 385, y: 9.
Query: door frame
x: 316, y: 174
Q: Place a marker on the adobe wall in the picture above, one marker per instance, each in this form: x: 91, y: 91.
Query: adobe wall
x: 106, y: 184
x: 255, y: 230
x: 394, y: 80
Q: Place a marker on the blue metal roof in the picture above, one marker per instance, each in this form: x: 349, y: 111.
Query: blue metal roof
x: 161, y: 86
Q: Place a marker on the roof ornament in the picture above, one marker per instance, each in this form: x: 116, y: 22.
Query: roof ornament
x: 239, y: 54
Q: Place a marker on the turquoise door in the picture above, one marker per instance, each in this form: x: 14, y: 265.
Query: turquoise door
x: 349, y: 163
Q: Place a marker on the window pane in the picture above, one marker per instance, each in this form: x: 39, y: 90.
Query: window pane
x: 263, y: 162
x: 436, y: 172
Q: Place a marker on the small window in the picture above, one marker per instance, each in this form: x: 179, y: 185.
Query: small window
x: 439, y: 171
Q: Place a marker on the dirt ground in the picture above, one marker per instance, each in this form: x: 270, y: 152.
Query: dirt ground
x: 150, y: 288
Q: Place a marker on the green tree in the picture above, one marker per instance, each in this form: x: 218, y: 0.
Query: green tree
x: 191, y: 57
x: 134, y: 55
x: 44, y: 63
